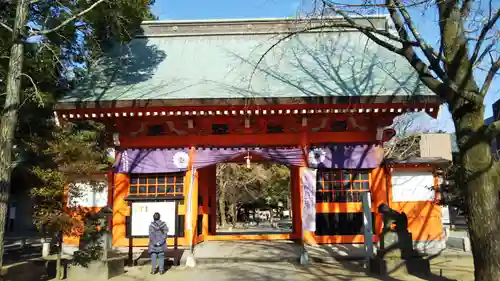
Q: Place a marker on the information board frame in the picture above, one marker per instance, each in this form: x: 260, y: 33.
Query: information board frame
x: 176, y: 221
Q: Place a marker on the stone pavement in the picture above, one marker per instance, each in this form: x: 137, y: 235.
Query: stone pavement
x: 450, y: 269
x: 247, y: 251
x: 270, y: 251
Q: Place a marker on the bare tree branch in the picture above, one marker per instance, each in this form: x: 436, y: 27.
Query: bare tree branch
x: 446, y: 90
x: 352, y: 24
x: 407, y: 51
x: 486, y: 51
x: 6, y: 26
x: 427, y: 50
x: 369, y: 33
x: 486, y: 28
x: 466, y: 7
x: 64, y: 23
x: 37, y: 93
x: 489, y: 78
x: 374, y: 5
x: 403, y: 147
x: 397, y: 5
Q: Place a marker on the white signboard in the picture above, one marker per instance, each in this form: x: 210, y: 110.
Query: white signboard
x: 412, y: 186
x: 142, y: 216
x: 86, y: 195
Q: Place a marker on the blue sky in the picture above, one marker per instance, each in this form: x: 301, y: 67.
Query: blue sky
x: 216, y: 9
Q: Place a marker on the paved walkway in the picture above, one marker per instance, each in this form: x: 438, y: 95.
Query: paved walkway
x: 457, y: 269
x: 278, y: 250
x: 211, y: 251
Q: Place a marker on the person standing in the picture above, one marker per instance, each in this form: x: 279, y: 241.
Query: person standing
x: 157, y: 246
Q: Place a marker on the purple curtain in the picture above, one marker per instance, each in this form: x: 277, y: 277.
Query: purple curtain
x: 151, y: 161
x: 336, y: 156
x: 204, y: 157
x: 308, y: 179
x: 353, y: 156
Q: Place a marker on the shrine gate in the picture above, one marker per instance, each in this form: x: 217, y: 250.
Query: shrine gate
x: 187, y: 95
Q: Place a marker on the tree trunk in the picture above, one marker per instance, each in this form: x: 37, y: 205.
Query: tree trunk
x: 483, y: 223
x: 481, y: 184
x: 222, y: 209
x: 232, y: 207
x: 9, y: 114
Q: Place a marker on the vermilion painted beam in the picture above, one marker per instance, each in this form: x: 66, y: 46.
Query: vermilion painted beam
x: 338, y: 207
x: 260, y: 140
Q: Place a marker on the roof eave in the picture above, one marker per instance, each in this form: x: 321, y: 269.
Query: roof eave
x: 428, y: 100
x: 418, y: 161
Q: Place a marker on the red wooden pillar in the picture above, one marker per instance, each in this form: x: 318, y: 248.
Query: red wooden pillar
x: 379, y: 194
x: 212, y: 198
x: 120, y: 209
x: 296, y: 202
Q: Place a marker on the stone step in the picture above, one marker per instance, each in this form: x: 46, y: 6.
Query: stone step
x: 223, y: 260
x: 172, y: 257
x: 261, y: 259
x: 146, y: 261
x: 226, y: 260
x: 336, y: 259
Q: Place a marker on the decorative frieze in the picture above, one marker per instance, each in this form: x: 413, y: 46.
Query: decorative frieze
x: 202, y: 126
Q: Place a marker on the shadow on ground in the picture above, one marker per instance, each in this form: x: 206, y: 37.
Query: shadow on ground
x: 32, y: 270
x: 341, y: 271
x: 327, y: 263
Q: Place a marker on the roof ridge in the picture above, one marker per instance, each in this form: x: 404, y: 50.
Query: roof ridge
x: 174, y: 28
x: 246, y: 20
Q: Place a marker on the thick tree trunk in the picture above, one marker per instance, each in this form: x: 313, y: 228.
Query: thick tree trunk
x: 481, y: 184
x: 483, y: 223
x: 222, y: 209
x: 476, y: 176
x: 9, y: 114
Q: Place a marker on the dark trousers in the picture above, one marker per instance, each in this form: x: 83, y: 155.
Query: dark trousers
x: 161, y: 261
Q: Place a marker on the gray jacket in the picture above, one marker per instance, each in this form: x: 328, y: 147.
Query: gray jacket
x: 158, y: 232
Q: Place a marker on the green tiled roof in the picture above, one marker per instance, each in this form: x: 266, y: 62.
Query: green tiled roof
x: 220, y: 66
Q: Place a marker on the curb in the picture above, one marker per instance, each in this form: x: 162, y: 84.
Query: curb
x: 459, y: 243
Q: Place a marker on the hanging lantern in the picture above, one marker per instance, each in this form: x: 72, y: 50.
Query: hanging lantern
x: 247, y: 158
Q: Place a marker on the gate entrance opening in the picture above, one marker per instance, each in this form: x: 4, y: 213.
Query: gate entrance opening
x: 253, y: 198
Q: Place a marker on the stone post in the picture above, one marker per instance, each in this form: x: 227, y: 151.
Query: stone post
x: 367, y: 226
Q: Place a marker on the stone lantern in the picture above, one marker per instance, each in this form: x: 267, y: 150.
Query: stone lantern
x: 104, y: 216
